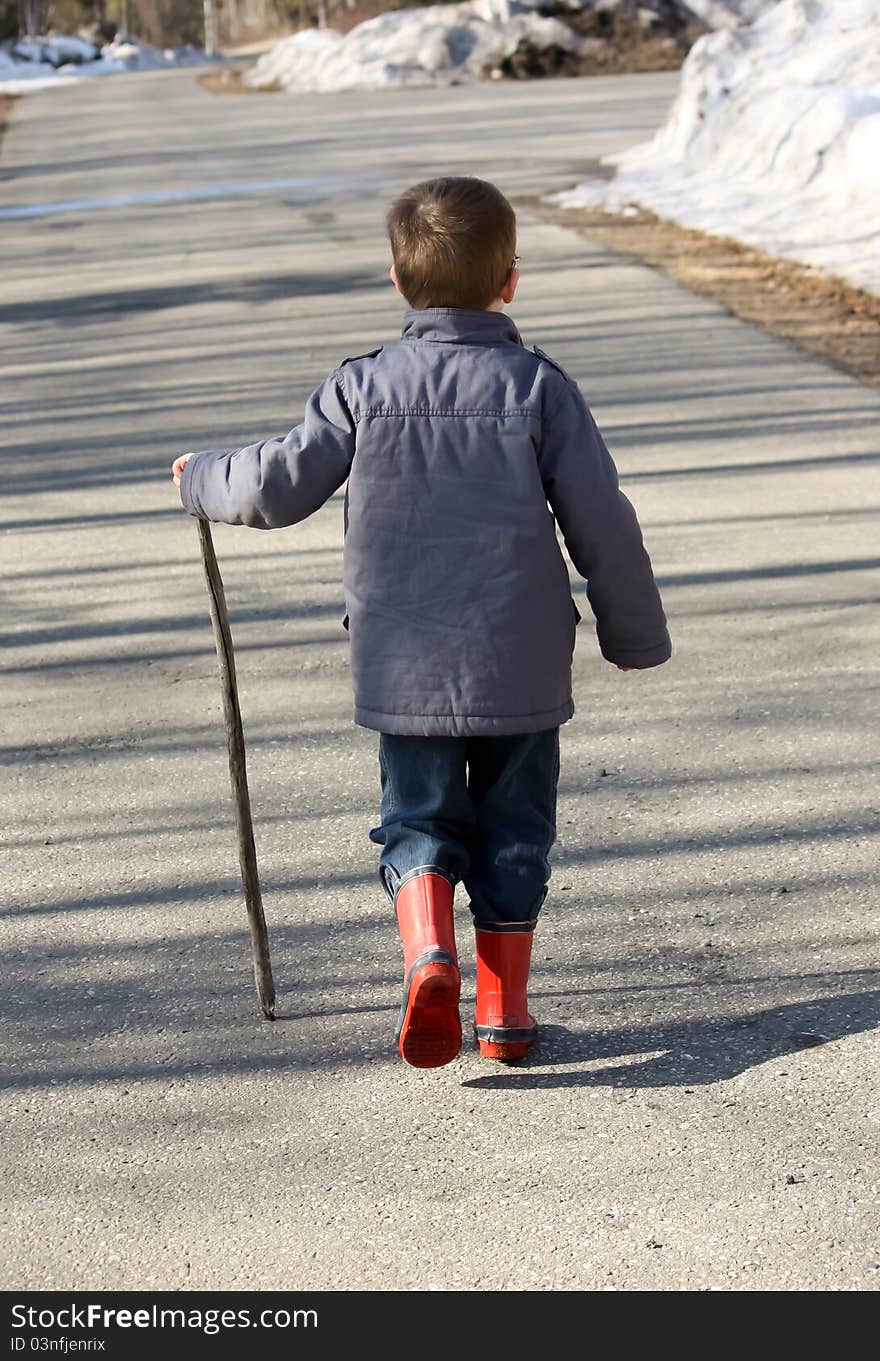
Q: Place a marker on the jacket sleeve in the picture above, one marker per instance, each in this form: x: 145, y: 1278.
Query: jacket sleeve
x: 601, y: 532
x: 278, y: 481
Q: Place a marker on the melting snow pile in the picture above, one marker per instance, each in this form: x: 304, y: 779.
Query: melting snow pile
x: 453, y: 43
x: 774, y: 139
x: 33, y: 63
x: 438, y: 45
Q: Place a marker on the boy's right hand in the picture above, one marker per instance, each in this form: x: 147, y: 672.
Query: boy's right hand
x: 177, y: 468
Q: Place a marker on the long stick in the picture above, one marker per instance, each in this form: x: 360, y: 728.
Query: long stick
x: 244, y: 826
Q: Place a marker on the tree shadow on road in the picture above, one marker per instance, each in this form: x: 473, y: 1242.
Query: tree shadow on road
x: 691, y: 1053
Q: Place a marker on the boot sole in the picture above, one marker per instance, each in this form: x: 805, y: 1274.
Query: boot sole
x: 504, y: 1052
x: 495, y: 1044
x: 430, y: 1030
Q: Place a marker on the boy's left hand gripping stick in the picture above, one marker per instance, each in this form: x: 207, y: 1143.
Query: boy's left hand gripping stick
x: 244, y: 826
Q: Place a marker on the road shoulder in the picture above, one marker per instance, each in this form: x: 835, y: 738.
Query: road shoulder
x: 818, y: 313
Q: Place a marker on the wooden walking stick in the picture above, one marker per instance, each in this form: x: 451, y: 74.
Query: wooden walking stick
x: 247, y: 853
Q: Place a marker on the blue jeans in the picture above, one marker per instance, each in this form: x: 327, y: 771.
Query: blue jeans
x: 477, y: 809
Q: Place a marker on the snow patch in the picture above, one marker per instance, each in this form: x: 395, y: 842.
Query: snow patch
x: 37, y: 63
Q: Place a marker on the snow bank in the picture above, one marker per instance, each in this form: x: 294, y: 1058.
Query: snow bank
x: 441, y: 44
x: 774, y: 139
x: 35, y: 63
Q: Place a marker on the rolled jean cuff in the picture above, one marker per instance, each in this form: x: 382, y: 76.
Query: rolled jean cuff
x: 507, y: 928
x: 392, y: 882
x: 485, y: 922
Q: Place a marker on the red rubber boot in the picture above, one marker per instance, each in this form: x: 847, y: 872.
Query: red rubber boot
x: 504, y: 1027
x: 429, y: 1028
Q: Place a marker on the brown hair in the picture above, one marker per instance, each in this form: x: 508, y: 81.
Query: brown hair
x: 453, y: 241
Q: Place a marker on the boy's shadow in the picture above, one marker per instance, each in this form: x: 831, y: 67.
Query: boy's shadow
x: 695, y: 1052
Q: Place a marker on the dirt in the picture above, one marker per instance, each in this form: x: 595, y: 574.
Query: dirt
x: 6, y: 103
x: 227, y: 80
x: 615, y: 43
x: 819, y: 313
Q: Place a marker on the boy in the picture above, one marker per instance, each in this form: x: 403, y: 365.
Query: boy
x: 460, y: 446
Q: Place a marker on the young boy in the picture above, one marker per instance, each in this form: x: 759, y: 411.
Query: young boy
x: 463, y: 450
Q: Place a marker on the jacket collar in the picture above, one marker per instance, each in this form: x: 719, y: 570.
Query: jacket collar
x: 461, y: 325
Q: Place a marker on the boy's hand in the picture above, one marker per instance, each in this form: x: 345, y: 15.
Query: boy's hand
x: 177, y: 468
x: 622, y: 668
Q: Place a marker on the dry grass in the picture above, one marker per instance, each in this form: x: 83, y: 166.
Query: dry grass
x: 227, y: 80
x: 824, y: 315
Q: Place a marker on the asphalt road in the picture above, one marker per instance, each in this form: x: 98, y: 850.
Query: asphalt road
x: 703, y: 1110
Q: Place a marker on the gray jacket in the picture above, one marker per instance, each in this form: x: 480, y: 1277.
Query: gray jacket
x: 454, y: 439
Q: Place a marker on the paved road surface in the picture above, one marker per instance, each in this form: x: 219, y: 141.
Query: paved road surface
x: 703, y: 1110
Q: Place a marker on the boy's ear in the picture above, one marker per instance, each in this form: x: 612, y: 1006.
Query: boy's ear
x: 392, y: 275
x: 509, y: 289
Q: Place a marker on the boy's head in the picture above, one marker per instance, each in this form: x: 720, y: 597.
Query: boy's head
x: 453, y: 241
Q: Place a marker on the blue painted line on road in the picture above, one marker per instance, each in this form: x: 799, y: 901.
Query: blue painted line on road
x: 162, y: 196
